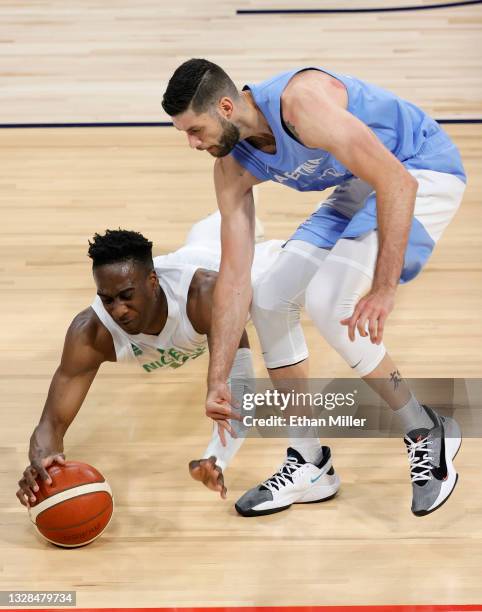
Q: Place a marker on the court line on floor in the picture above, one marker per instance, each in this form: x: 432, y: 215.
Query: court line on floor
x: 113, y: 124
x: 332, y: 11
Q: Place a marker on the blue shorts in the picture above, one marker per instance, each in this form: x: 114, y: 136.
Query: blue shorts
x: 350, y: 211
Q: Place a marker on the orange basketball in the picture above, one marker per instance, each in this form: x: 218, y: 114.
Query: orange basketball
x: 76, y: 508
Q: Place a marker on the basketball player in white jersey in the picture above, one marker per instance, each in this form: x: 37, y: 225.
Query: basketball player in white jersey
x: 152, y: 312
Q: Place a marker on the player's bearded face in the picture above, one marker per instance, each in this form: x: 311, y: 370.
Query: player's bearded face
x: 228, y: 139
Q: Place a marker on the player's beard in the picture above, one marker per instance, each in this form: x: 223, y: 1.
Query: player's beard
x: 229, y: 139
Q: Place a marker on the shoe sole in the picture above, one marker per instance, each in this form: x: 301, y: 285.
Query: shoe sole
x: 248, y: 513
x: 323, y: 492
x: 425, y: 512
x: 280, y: 508
x: 449, y: 462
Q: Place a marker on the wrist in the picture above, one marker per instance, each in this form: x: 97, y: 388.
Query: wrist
x: 384, y: 287
x: 216, y: 387
x: 215, y: 384
x: 46, y: 439
x: 216, y: 378
x: 52, y: 429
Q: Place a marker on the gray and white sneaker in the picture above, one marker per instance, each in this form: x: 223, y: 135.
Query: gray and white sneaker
x: 296, y: 482
x: 430, y: 453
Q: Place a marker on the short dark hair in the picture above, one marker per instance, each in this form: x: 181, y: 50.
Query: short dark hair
x: 197, y: 83
x: 120, y: 245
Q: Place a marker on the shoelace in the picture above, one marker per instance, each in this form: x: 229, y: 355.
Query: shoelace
x: 283, y: 475
x: 419, y: 458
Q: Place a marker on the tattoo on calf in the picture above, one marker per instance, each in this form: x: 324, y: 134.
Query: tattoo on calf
x: 396, y: 379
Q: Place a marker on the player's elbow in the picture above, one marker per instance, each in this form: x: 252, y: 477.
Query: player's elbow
x: 410, y: 182
x: 401, y: 181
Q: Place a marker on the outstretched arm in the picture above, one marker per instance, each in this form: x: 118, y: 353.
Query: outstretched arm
x: 232, y: 295
x: 87, y: 344
x: 221, y: 448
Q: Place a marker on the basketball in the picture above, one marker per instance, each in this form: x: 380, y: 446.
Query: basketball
x: 76, y: 508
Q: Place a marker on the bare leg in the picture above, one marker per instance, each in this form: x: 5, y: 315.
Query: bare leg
x: 387, y: 381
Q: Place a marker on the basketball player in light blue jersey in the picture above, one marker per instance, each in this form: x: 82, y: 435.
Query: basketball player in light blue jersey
x: 398, y: 182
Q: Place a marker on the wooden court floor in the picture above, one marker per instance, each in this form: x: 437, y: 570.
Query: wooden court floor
x: 173, y: 543
x: 71, y: 61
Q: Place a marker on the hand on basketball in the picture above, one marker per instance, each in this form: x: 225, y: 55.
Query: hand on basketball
x: 219, y: 407
x: 210, y: 474
x: 373, y: 309
x: 37, y: 469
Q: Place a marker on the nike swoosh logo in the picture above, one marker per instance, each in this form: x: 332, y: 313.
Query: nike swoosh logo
x: 315, y: 479
x: 355, y: 365
x: 441, y: 472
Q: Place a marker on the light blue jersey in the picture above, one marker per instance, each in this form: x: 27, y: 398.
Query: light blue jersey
x: 408, y: 132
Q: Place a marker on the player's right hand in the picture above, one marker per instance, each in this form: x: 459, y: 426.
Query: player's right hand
x: 219, y: 407
x: 210, y: 474
x: 37, y: 469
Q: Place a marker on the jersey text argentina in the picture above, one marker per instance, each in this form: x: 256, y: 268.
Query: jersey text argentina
x: 409, y: 133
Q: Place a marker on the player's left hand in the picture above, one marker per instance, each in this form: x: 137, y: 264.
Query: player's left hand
x: 373, y: 309
x: 210, y: 474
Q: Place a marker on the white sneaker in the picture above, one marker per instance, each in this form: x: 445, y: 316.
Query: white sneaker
x: 296, y: 482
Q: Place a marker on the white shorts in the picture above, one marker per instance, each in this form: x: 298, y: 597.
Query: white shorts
x: 203, y: 248
x: 350, y: 212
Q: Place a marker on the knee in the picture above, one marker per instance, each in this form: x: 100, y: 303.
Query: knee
x: 272, y: 298
x: 326, y: 305
x: 273, y: 313
x: 276, y: 317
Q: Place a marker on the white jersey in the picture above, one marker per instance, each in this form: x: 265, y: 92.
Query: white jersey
x: 178, y: 341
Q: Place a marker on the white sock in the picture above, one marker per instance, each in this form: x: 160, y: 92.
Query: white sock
x: 241, y: 381
x: 308, y: 448
x: 413, y: 416
x: 223, y: 454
